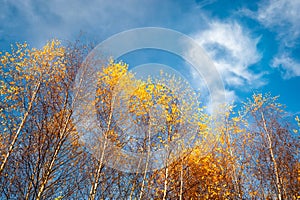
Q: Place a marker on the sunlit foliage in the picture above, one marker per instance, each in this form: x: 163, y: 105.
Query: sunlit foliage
x: 243, y: 152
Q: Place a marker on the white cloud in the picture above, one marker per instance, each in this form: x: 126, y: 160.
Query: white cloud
x: 283, y: 17
x: 98, y: 19
x: 204, y: 3
x: 288, y: 66
x: 233, y: 51
x: 38, y: 22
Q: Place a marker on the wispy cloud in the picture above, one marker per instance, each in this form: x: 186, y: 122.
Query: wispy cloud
x: 281, y: 16
x: 288, y: 66
x: 38, y: 22
x: 204, y: 3
x: 233, y: 50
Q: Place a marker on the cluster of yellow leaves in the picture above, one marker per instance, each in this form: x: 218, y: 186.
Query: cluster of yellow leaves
x: 12, y: 72
x: 112, y: 74
x: 209, y: 172
x: 114, y: 83
x: 22, y: 69
x: 298, y: 123
x: 298, y: 120
x: 49, y: 62
x: 261, y: 102
x: 147, y: 95
x: 146, y: 102
x: 151, y: 94
x: 204, y: 176
x: 24, y: 66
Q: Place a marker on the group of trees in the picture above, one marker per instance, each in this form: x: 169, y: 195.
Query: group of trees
x: 251, y: 152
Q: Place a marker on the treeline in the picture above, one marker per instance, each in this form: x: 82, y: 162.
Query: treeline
x: 51, y: 150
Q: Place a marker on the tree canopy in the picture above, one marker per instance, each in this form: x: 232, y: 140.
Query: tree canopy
x: 246, y: 152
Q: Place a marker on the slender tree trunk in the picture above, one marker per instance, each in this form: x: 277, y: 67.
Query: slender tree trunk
x: 15, y: 138
x: 167, y: 166
x: 53, y: 159
x: 278, y: 186
x: 133, y: 187
x: 93, y: 190
x: 181, y: 180
x: 147, y: 160
x: 166, y: 182
x: 234, y: 174
x: 48, y: 173
x: 29, y: 187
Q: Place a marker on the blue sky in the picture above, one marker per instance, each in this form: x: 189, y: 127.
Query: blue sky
x: 255, y: 45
